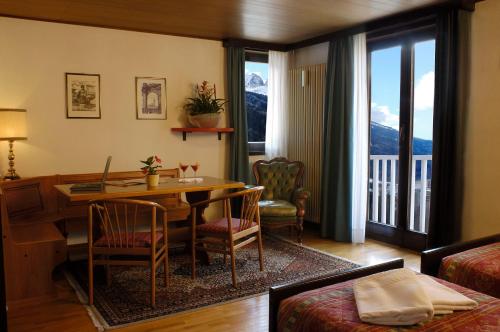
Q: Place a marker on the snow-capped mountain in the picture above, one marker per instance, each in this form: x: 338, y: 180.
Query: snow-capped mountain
x: 255, y: 83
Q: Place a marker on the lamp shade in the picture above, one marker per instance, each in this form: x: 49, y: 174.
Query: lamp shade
x: 12, y: 124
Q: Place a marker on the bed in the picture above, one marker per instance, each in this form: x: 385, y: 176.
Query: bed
x: 473, y: 264
x: 328, y: 304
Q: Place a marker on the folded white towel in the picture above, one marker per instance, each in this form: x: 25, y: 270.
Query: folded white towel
x: 444, y: 299
x: 191, y: 180
x: 392, y: 298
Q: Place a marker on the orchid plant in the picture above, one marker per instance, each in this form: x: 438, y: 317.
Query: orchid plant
x: 151, y: 165
x: 206, y: 100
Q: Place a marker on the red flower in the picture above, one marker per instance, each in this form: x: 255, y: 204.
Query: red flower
x: 158, y: 160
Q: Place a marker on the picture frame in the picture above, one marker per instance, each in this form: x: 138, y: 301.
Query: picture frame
x: 151, y: 98
x: 83, y: 96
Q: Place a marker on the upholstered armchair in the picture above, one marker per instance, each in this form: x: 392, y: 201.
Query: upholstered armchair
x: 283, y: 201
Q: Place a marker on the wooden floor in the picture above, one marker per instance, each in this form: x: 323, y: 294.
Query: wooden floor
x: 63, y: 312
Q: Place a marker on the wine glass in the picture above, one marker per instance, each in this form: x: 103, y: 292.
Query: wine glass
x: 184, y: 168
x: 195, y: 167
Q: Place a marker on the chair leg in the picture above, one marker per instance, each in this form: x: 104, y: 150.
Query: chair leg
x: 225, y: 252
x: 233, y: 264
x: 300, y: 229
x: 153, y: 282
x: 193, y: 259
x: 165, y: 267
x: 91, y: 280
x: 261, y: 254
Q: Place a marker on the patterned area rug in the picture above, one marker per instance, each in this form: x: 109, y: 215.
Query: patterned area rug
x: 127, y: 299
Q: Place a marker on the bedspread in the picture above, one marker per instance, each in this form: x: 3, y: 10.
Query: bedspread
x: 333, y: 308
x: 477, y: 269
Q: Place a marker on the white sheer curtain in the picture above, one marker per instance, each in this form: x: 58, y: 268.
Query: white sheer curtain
x: 360, y: 134
x: 277, y: 108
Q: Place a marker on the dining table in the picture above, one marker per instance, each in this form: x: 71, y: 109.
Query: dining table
x: 196, y: 190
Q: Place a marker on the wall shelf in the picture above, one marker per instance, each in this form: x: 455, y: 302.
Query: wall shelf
x: 219, y: 131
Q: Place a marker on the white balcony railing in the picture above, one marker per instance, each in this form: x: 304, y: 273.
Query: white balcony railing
x: 383, y: 193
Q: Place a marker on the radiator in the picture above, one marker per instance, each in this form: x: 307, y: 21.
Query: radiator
x: 306, y: 104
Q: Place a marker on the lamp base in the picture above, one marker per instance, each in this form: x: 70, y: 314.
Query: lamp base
x: 11, y: 172
x: 11, y: 177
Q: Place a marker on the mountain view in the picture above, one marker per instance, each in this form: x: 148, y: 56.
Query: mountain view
x: 256, y: 102
x: 387, y: 142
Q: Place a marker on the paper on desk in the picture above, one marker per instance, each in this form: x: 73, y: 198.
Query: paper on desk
x: 191, y: 180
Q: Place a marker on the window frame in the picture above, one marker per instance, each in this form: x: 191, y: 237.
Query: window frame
x: 256, y: 148
x: 400, y: 235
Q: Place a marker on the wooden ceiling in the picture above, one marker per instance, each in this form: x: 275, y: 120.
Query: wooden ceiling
x: 272, y: 21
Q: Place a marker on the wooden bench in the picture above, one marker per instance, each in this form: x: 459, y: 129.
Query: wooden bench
x: 33, y: 245
x: 33, y: 218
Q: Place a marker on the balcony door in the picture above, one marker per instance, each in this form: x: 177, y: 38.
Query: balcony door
x: 401, y: 127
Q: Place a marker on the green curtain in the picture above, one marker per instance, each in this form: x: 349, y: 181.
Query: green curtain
x: 450, y: 112
x: 238, y: 155
x: 336, y: 192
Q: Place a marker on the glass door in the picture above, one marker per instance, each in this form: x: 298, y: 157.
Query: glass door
x: 400, y: 167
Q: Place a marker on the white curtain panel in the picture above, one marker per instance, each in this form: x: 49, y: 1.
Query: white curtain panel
x: 360, y: 154
x: 277, y: 107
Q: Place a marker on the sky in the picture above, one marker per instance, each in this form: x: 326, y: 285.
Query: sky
x: 385, y: 85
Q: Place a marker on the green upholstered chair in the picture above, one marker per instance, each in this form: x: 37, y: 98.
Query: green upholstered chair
x: 283, y: 201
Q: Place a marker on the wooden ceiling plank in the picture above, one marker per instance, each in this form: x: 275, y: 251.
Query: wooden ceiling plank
x: 275, y: 21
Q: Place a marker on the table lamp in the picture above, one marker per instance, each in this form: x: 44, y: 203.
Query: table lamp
x: 12, y: 128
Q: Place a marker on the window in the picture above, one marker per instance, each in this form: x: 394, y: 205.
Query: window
x: 400, y: 169
x: 256, y: 100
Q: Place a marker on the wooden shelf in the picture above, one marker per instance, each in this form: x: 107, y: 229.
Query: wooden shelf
x: 219, y: 131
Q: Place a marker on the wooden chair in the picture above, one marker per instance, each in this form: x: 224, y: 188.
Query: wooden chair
x: 228, y: 234
x: 115, y: 234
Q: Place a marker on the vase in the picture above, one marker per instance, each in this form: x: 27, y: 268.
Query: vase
x: 153, y: 180
x: 206, y: 120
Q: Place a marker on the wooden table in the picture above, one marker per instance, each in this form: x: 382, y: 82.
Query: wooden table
x: 195, y: 192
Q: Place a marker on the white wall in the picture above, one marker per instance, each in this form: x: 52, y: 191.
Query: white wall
x: 311, y: 55
x: 481, y: 215
x: 34, y: 57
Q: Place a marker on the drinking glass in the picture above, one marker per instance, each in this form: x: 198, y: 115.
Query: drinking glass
x: 195, y: 167
x: 184, y: 168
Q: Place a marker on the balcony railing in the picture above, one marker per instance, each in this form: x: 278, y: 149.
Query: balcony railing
x: 383, y: 195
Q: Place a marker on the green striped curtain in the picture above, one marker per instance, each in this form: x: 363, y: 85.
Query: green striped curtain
x: 336, y: 192
x: 238, y: 162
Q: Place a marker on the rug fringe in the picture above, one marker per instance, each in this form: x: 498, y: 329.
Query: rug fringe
x: 94, y: 315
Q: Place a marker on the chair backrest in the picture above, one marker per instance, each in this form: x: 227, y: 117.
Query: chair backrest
x: 249, y: 206
x: 116, y: 220
x: 279, y: 176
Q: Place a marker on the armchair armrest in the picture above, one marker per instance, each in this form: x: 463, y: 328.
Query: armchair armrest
x: 299, y: 198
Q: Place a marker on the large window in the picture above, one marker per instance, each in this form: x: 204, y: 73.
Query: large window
x: 402, y: 110
x: 256, y: 100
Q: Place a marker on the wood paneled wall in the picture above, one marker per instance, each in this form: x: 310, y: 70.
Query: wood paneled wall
x: 306, y: 104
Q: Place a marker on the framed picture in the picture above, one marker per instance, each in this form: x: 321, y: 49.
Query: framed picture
x: 83, y: 95
x: 151, y: 98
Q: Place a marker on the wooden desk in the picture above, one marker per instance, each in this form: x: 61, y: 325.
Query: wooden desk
x: 195, y: 192
x: 167, y: 186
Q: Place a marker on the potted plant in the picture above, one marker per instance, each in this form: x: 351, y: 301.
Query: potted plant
x: 204, y: 109
x: 150, y: 169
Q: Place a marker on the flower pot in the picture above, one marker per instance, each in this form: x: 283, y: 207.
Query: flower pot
x: 206, y: 120
x: 153, y: 180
